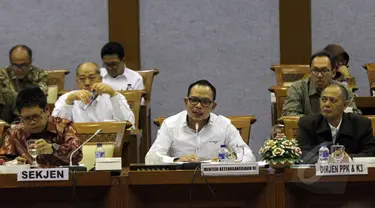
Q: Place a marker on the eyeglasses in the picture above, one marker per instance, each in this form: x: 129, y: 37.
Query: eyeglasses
x: 36, y: 118
x: 111, y: 65
x: 205, y: 102
x: 322, y: 71
x: 20, y: 66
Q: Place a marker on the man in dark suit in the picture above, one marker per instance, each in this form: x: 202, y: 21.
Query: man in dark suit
x: 333, y: 126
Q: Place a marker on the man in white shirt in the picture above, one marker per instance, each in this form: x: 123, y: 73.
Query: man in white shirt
x: 115, y: 72
x: 196, y: 134
x: 94, y: 101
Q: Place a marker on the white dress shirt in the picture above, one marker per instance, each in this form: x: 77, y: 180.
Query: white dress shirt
x: 175, y: 139
x: 103, y: 108
x: 121, y: 81
x: 334, y: 131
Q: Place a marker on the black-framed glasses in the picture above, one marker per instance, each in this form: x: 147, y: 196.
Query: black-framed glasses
x: 323, y: 71
x: 111, y: 65
x: 28, y: 119
x: 205, y: 102
x: 24, y: 67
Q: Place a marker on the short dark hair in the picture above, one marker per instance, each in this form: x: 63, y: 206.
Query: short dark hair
x: 203, y: 82
x: 343, y: 89
x: 25, y: 47
x: 324, y: 54
x: 113, y: 48
x: 31, y: 97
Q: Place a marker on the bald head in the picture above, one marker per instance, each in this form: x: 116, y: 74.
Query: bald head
x: 339, y: 89
x: 88, y: 65
x: 88, y: 74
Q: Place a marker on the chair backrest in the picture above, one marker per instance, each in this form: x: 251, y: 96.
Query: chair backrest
x: 148, y: 78
x: 370, y: 67
x: 286, y: 75
x: 57, y: 77
x: 280, y: 94
x: 290, y: 126
x: 133, y: 98
x: 242, y: 124
x: 372, y: 118
x: 365, y: 104
x: 112, y: 138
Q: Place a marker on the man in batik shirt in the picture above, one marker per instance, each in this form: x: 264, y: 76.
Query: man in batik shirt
x: 21, y: 73
x: 55, y: 137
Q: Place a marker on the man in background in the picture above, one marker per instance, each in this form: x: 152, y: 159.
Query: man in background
x: 94, y: 101
x: 21, y: 73
x: 115, y: 73
x: 303, y: 96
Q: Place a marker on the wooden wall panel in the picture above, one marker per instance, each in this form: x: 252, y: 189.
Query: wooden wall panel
x: 295, y: 31
x: 123, y: 17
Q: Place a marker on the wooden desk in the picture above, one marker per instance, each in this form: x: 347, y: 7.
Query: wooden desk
x: 170, y: 189
x: 301, y: 188
x: 93, y: 189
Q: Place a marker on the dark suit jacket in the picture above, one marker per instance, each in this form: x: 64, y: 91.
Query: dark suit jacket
x: 355, y: 134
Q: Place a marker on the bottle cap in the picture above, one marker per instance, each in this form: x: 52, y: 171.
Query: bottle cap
x: 223, y: 145
x: 99, y: 144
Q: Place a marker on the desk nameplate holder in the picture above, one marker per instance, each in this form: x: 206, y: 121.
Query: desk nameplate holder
x: 229, y: 169
x: 337, y: 169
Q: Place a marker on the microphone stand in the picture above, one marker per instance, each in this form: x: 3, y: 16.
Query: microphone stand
x: 77, y: 167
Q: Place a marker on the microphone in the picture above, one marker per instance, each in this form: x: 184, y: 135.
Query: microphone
x: 198, y: 138
x: 77, y: 167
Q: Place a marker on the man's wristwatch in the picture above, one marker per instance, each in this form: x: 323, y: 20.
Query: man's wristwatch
x: 55, y: 147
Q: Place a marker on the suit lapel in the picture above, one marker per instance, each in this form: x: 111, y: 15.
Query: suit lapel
x: 323, y: 132
x: 345, y: 131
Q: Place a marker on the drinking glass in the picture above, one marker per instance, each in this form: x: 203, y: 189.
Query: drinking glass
x: 239, y: 151
x: 32, y: 151
x: 337, y: 152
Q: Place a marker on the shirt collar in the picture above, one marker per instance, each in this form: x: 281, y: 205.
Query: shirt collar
x: 335, y: 128
x: 51, y: 125
x: 124, y: 74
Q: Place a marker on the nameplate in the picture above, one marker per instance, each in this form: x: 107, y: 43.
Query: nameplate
x: 229, y: 169
x: 334, y: 169
x: 50, y: 174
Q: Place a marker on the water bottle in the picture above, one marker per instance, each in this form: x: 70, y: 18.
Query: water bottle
x: 323, y: 154
x: 223, y: 153
x: 99, y: 152
x: 129, y: 87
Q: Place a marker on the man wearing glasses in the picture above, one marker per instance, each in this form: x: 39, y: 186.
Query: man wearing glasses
x: 114, y: 71
x: 303, y: 96
x: 55, y: 138
x: 196, y: 134
x: 94, y: 101
x: 21, y: 73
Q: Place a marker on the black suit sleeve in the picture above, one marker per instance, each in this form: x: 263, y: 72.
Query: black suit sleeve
x: 304, y: 138
x: 367, y: 142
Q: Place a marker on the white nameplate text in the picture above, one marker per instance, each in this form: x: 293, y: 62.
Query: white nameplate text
x: 334, y: 169
x: 226, y: 169
x: 50, y: 174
